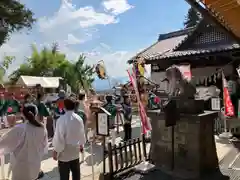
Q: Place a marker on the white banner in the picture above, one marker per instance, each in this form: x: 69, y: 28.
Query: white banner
x: 238, y: 71
x: 216, y: 104
x: 186, y: 71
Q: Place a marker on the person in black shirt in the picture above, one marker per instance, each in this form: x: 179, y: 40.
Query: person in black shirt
x: 127, y: 114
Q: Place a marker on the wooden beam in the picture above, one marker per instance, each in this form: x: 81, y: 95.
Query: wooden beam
x: 206, y: 14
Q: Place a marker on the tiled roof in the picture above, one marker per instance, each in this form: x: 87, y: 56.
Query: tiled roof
x: 163, y: 46
x: 166, y: 43
x: 185, y: 53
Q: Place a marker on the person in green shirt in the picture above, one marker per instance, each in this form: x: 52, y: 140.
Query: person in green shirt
x: 112, y: 109
x: 2, y: 105
x: 2, y: 111
x: 13, y: 107
x: 42, y: 108
x: 79, y: 108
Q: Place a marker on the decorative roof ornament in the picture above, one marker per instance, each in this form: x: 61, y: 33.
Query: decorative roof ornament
x: 100, y: 70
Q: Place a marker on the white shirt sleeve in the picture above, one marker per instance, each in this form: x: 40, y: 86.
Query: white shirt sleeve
x: 10, y: 140
x: 82, y: 138
x: 46, y: 142
x: 58, y: 141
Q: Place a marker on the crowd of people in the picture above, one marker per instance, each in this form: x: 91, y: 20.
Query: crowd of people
x: 72, y: 117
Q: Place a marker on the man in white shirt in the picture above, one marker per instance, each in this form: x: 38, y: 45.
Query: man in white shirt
x: 68, y: 140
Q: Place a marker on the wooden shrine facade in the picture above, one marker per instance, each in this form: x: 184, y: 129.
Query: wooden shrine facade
x: 207, y: 48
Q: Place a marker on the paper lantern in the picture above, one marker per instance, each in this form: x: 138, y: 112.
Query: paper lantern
x: 141, y: 69
x: 100, y: 70
x: 60, y: 104
x: 156, y: 100
x: 9, y: 110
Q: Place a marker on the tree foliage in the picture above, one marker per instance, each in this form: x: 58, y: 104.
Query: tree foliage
x: 192, y: 18
x: 4, y: 65
x: 50, y: 62
x: 83, y: 72
x: 14, y: 16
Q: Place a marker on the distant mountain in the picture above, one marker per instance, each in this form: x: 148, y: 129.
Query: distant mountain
x: 101, y: 85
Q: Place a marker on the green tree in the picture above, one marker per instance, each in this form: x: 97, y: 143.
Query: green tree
x: 192, y: 18
x: 84, y: 73
x: 4, y: 65
x: 14, y: 16
x: 50, y: 62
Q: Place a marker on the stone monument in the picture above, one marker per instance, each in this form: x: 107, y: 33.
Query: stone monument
x: 182, y: 138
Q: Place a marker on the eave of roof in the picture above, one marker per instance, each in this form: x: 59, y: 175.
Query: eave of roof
x: 226, y: 12
x: 197, y: 52
x: 166, y: 43
x: 178, y: 52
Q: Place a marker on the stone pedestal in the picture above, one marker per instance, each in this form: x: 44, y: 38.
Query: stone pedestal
x: 187, y: 149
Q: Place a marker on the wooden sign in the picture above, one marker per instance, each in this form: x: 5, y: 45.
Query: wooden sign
x: 215, y: 104
x: 103, y: 122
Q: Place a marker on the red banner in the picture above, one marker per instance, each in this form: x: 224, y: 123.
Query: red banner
x: 146, y: 126
x: 228, y: 106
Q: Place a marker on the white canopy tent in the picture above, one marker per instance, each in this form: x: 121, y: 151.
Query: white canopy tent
x: 45, y: 82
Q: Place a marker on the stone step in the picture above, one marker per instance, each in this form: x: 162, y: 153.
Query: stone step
x: 229, y: 158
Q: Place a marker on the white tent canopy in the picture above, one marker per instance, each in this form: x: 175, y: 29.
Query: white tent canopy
x: 45, y: 82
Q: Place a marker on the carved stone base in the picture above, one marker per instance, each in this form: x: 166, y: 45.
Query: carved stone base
x: 187, y: 148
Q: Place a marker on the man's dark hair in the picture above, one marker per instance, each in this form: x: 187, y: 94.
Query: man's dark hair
x: 81, y: 96
x: 39, y: 96
x: 38, y: 86
x: 108, y: 98
x: 27, y: 96
x: 30, y: 111
x: 69, y: 104
x: 76, y: 104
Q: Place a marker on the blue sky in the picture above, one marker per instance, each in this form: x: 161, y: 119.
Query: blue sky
x: 112, y: 30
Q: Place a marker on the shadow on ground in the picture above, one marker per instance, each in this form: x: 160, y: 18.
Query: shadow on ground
x: 97, y: 154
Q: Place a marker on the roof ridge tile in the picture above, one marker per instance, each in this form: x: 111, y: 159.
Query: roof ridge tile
x: 176, y: 33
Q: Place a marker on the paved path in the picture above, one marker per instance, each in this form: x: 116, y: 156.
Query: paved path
x: 49, y: 166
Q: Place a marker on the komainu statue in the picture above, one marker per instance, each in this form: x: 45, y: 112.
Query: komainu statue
x: 178, y: 86
x: 181, y: 97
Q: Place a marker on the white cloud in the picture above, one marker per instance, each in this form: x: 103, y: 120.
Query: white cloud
x: 71, y: 39
x: 82, y: 17
x: 19, y: 46
x: 115, y: 61
x: 71, y: 26
x: 116, y: 6
x: 105, y: 46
